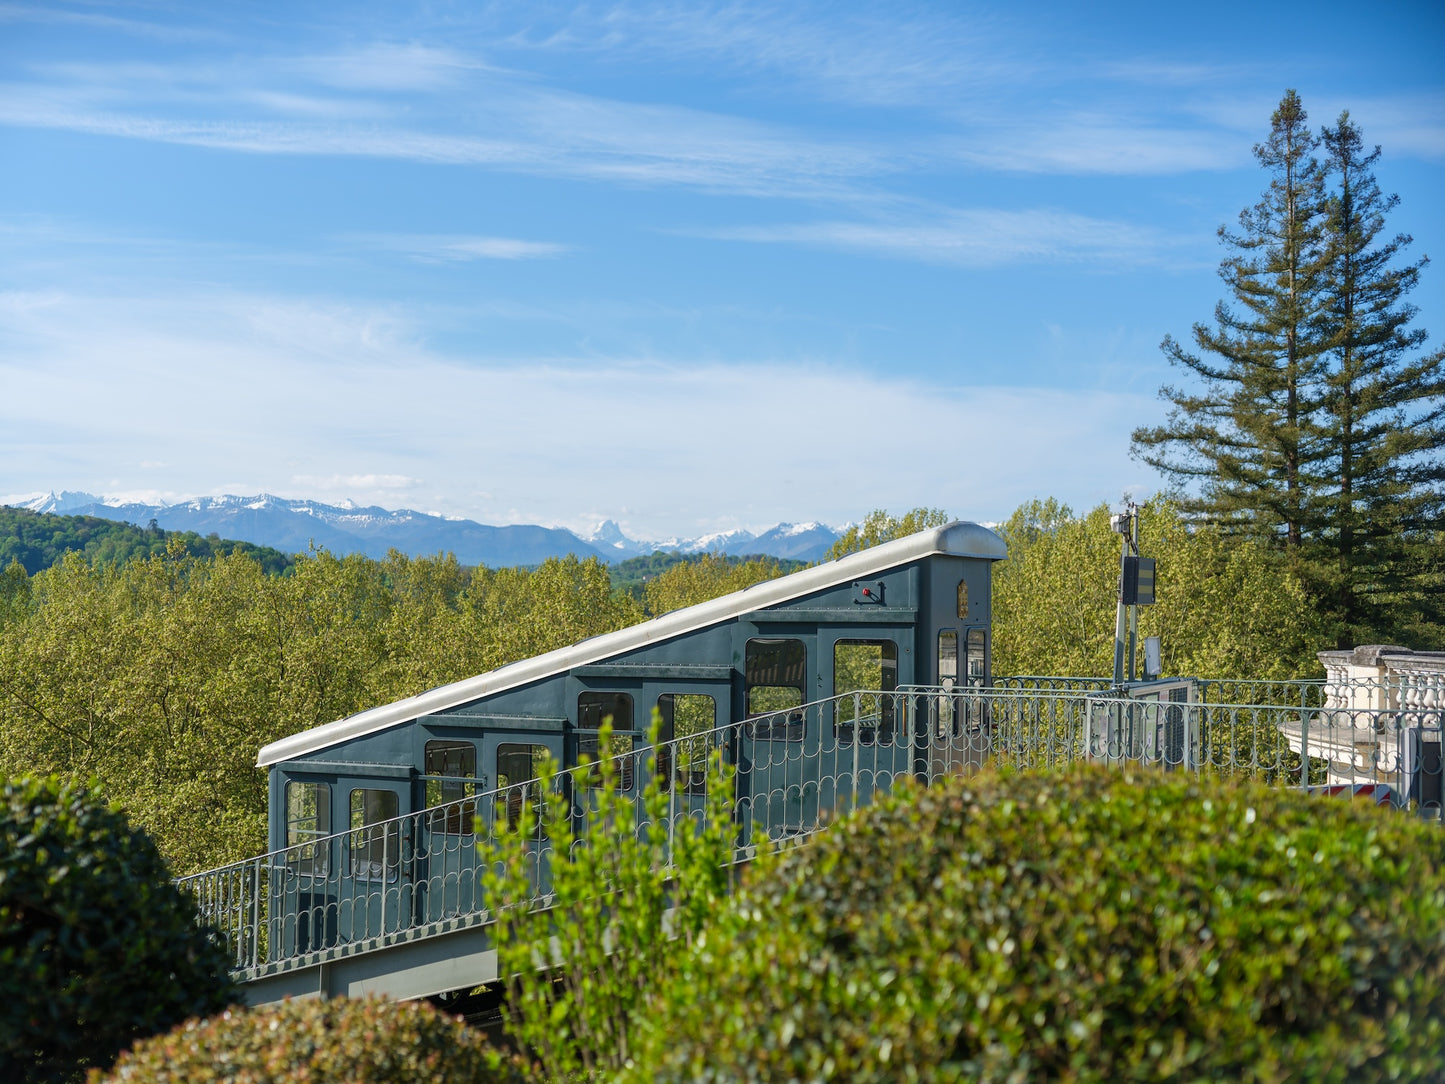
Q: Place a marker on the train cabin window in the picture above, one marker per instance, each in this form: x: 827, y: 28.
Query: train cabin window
x: 519, y: 767
x: 620, y: 750
x: 774, y: 675
x: 450, y: 772
x: 948, y: 678
x: 308, y: 818
x: 375, y: 837
x: 977, y: 646
x: 948, y: 658
x: 963, y: 599
x: 687, y: 719
x: 869, y: 669
x: 593, y: 708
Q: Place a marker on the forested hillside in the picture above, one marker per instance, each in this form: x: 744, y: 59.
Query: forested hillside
x: 38, y: 539
x: 162, y: 675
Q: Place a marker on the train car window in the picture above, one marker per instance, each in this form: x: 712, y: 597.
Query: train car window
x: 774, y: 675
x: 963, y: 599
x: 620, y: 751
x: 948, y: 658
x: 592, y: 708
x: 308, y: 818
x: 977, y: 646
x: 375, y: 844
x: 518, y: 769
x: 948, y: 678
x: 447, y: 767
x: 868, y: 668
x: 687, y: 719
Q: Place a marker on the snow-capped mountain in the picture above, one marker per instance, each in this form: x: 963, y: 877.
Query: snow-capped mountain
x: 294, y: 525
x: 802, y: 542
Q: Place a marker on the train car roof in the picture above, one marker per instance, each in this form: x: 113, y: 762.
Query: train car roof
x: 956, y: 539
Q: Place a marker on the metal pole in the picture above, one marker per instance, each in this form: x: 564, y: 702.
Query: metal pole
x: 385, y: 854
x: 1134, y: 606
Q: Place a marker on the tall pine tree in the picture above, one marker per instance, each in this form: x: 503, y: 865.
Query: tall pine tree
x: 1243, y: 435
x: 1382, y: 423
x: 1316, y: 422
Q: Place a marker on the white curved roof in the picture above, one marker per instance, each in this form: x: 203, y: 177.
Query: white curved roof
x: 956, y: 539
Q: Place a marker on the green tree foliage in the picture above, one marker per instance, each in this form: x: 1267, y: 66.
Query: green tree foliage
x: 162, y: 677
x: 1242, y: 435
x: 709, y: 576
x: 38, y: 539
x: 1092, y: 925
x: 97, y: 948
x: 878, y: 526
x: 633, y: 886
x: 1380, y: 423
x: 634, y: 574
x: 319, y: 1041
x: 1225, y: 606
x: 1314, y: 423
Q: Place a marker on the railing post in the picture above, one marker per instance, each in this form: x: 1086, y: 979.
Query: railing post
x: 255, y: 912
x: 385, y: 865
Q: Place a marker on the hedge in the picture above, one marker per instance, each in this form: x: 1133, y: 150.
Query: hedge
x: 97, y: 947
x: 367, y: 1040
x: 1092, y: 925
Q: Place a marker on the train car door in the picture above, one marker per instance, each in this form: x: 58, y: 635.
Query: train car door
x: 695, y: 724
x: 866, y: 743
x: 305, y: 877
x: 513, y: 760
x: 445, y: 867
x: 954, y: 735
x: 779, y: 732
x: 376, y: 845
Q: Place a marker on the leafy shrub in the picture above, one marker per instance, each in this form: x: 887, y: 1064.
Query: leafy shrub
x: 629, y: 887
x: 97, y: 947
x: 1084, y: 926
x: 316, y: 1041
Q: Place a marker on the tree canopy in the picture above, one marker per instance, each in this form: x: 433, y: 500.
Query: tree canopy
x: 36, y: 540
x: 1315, y: 421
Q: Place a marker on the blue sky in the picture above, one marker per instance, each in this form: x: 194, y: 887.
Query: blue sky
x: 688, y: 266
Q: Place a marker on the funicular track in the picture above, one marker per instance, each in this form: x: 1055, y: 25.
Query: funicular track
x: 397, y: 907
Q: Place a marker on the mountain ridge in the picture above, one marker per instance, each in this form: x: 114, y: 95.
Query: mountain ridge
x: 294, y: 525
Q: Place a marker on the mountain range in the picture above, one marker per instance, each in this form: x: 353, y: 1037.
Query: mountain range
x: 294, y: 525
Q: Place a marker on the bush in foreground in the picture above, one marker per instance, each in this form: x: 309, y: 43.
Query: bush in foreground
x: 367, y: 1040
x: 1086, y: 926
x: 97, y: 947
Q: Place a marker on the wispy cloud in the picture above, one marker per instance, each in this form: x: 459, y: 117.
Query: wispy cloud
x: 901, y: 57
x: 975, y: 238
x: 443, y: 248
x: 510, y: 126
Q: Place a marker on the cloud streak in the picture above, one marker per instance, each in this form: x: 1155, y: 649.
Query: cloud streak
x: 442, y: 248
x: 291, y: 393
x: 976, y: 238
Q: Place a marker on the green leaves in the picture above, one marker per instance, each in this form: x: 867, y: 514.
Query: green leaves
x: 878, y: 527
x: 162, y: 677
x: 97, y: 947
x: 1225, y: 606
x: 634, y: 881
x: 1088, y: 926
x: 337, y: 1041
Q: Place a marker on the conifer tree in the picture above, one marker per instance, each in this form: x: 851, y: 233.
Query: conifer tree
x: 1316, y: 423
x: 1244, y: 435
x: 1382, y: 425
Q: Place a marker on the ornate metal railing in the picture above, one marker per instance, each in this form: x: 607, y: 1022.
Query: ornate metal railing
x: 793, y: 772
